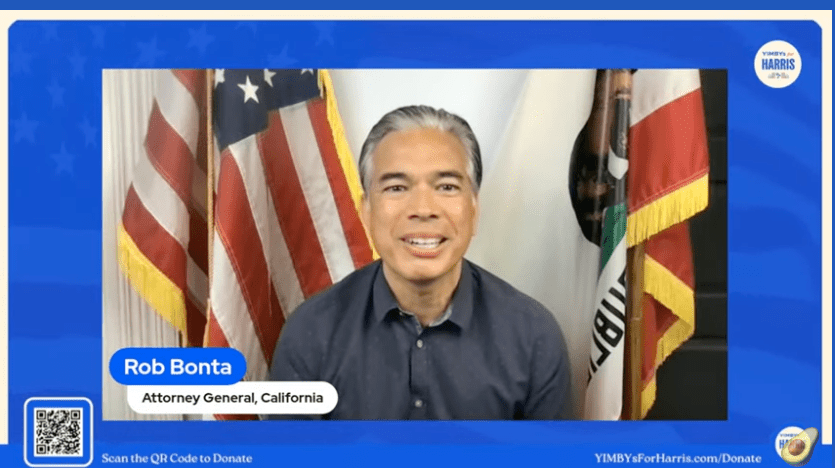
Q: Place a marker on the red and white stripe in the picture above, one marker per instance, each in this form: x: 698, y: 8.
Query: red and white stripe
x: 165, y: 209
x: 653, y: 89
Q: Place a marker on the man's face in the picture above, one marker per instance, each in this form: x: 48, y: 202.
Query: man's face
x: 421, y: 207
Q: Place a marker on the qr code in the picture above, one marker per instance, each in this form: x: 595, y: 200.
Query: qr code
x: 59, y: 432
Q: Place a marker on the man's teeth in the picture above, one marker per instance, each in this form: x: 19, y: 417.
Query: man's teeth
x: 424, y: 243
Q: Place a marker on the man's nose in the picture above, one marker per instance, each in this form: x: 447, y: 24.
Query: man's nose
x: 424, y: 204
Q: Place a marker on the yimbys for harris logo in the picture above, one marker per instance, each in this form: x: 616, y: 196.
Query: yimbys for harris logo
x: 777, y: 64
x: 795, y: 445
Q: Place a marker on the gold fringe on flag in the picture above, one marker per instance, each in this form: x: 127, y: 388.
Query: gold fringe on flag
x: 677, y: 296
x: 667, y: 211
x: 156, y: 288
x: 660, y: 283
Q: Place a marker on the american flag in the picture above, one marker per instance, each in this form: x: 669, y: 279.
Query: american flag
x: 286, y: 223
x: 286, y: 194
x: 163, y: 236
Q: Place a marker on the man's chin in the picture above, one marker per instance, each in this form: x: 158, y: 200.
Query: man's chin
x: 423, y: 277
x: 427, y: 274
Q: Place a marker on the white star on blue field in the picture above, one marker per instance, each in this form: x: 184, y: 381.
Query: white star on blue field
x: 63, y: 161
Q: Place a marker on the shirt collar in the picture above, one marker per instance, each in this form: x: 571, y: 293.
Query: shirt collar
x: 462, y: 300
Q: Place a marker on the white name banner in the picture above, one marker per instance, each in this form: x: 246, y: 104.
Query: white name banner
x: 240, y: 398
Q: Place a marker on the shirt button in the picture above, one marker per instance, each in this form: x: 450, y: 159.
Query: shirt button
x: 418, y: 403
x: 419, y: 343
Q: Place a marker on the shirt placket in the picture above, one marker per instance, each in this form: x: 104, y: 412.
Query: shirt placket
x: 419, y: 378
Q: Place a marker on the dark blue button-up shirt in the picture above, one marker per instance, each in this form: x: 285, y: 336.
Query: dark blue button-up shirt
x: 498, y: 355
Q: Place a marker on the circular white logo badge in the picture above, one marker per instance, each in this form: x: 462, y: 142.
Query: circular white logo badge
x: 777, y: 64
x: 785, y: 436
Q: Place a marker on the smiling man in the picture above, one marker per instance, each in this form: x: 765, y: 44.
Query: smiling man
x: 424, y: 333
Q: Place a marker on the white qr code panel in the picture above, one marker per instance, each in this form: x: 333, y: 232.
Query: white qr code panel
x: 58, y: 432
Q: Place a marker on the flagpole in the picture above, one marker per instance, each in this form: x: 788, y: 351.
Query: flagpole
x: 210, y: 194
x: 634, y: 333
x: 633, y: 341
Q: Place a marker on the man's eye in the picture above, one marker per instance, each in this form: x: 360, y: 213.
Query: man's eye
x: 448, y: 187
x: 394, y: 188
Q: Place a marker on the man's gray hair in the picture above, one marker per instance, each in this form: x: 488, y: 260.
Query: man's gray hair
x: 410, y: 117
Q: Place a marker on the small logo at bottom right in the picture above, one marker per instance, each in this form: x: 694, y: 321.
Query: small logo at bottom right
x: 795, y: 446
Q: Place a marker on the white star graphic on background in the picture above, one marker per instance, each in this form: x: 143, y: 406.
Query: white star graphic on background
x: 20, y: 60
x: 199, y: 39
x: 24, y: 128
x: 281, y: 60
x: 89, y: 132
x: 268, y: 77
x: 50, y: 31
x: 57, y: 92
x: 249, y: 90
x: 325, y: 29
x: 77, y: 60
x: 220, y: 76
x: 63, y: 161
x: 149, y: 52
x: 98, y: 36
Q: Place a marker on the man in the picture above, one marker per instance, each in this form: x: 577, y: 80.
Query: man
x: 423, y: 333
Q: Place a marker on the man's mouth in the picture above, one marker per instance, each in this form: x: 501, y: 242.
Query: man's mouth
x: 424, y: 243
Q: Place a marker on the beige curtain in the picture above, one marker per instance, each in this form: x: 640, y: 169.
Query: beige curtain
x: 127, y: 320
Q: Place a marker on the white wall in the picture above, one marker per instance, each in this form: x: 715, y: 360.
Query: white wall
x: 484, y: 98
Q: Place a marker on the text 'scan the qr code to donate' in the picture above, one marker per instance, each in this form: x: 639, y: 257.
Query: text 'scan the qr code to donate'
x: 58, y: 432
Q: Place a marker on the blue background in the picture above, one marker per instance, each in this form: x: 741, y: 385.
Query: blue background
x: 774, y: 165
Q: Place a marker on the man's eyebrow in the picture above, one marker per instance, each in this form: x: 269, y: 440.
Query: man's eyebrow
x: 451, y: 174
x: 392, y: 175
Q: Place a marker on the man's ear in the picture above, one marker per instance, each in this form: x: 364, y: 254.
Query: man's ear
x: 365, y: 211
x: 476, y: 213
